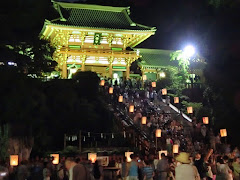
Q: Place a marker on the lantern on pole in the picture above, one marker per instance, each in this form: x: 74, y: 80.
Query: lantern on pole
x: 190, y: 110
x: 176, y: 100
x: 56, y: 158
x: 144, y: 120
x: 127, y: 155
x: 223, y: 132
x: 160, y: 152
x: 110, y: 90
x: 164, y: 91
x: 158, y: 133
x: 154, y: 84
x: 102, y: 83
x: 13, y: 160
x: 175, y: 148
x: 131, y: 108
x: 92, y: 157
x: 205, y: 120
x: 144, y: 77
x: 120, y: 99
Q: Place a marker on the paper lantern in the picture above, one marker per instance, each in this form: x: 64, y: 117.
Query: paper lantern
x: 158, y: 133
x: 176, y: 100
x: 111, y: 90
x: 175, y: 148
x: 205, y: 120
x: 223, y: 133
x: 160, y: 152
x: 127, y: 155
x: 120, y: 99
x: 102, y: 83
x: 131, y: 108
x: 144, y: 77
x: 144, y: 120
x: 154, y: 84
x: 164, y: 91
x: 56, y: 158
x: 14, y: 160
x: 190, y: 110
x: 92, y: 157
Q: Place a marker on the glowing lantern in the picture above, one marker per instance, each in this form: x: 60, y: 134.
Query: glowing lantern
x: 154, y: 84
x: 160, y: 152
x: 92, y: 157
x: 223, y: 132
x: 120, y: 99
x: 144, y: 120
x: 175, y: 148
x: 205, y: 120
x: 111, y: 90
x: 158, y: 133
x: 144, y: 77
x: 164, y: 91
x: 127, y: 155
x: 56, y: 158
x: 102, y: 83
x: 131, y: 108
x: 14, y: 160
x: 189, y: 110
x: 176, y: 100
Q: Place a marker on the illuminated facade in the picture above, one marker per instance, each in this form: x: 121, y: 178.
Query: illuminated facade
x: 94, y: 38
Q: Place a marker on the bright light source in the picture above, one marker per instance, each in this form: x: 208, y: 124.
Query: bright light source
x: 162, y: 74
x: 115, y: 75
x: 12, y: 64
x: 73, y: 71
x: 189, y: 51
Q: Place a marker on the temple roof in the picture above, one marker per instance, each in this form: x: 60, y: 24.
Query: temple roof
x: 156, y: 58
x: 96, y: 16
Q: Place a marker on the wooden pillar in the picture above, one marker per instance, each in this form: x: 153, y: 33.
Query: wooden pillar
x: 110, y: 71
x: 127, y: 71
x: 84, y: 57
x: 64, y: 70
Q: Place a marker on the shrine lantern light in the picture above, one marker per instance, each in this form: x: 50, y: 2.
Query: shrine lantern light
x: 13, y: 160
x: 158, y: 133
x: 176, y: 100
x: 144, y: 120
x: 120, y: 99
x: 110, y: 90
x: 144, y: 77
x: 56, y: 158
x: 223, y: 132
x: 127, y: 155
x: 154, y: 84
x: 92, y: 157
x: 102, y: 83
x: 175, y: 148
x: 205, y: 120
x: 190, y: 110
x: 131, y: 108
x: 164, y: 91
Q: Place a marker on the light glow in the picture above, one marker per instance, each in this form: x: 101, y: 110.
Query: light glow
x: 189, y: 51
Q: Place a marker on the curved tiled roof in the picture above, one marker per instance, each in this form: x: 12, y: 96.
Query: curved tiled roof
x: 94, y: 16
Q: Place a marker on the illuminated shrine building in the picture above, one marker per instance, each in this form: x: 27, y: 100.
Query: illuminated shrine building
x: 94, y: 38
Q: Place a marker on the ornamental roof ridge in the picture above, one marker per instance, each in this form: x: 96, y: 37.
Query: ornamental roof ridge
x: 91, y: 7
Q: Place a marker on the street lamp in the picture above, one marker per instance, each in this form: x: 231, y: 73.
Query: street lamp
x: 189, y: 51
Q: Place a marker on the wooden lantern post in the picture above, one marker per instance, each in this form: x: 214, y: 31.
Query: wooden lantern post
x: 205, y: 120
x: 158, y: 135
x: 56, y: 158
x: 175, y: 148
x: 144, y: 120
x: 120, y: 99
x: 92, y: 157
x: 176, y: 100
x: 110, y: 90
x: 127, y: 155
x: 102, y: 83
x: 131, y: 108
x: 223, y: 133
x: 190, y: 110
x: 154, y: 84
x: 13, y: 160
x: 164, y: 91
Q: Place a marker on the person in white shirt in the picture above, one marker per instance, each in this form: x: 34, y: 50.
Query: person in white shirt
x: 184, y: 170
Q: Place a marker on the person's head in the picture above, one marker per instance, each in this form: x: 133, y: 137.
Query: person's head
x: 237, y: 159
x: 163, y: 156
x: 70, y: 162
x: 225, y: 159
x: 198, y: 156
x: 133, y: 157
